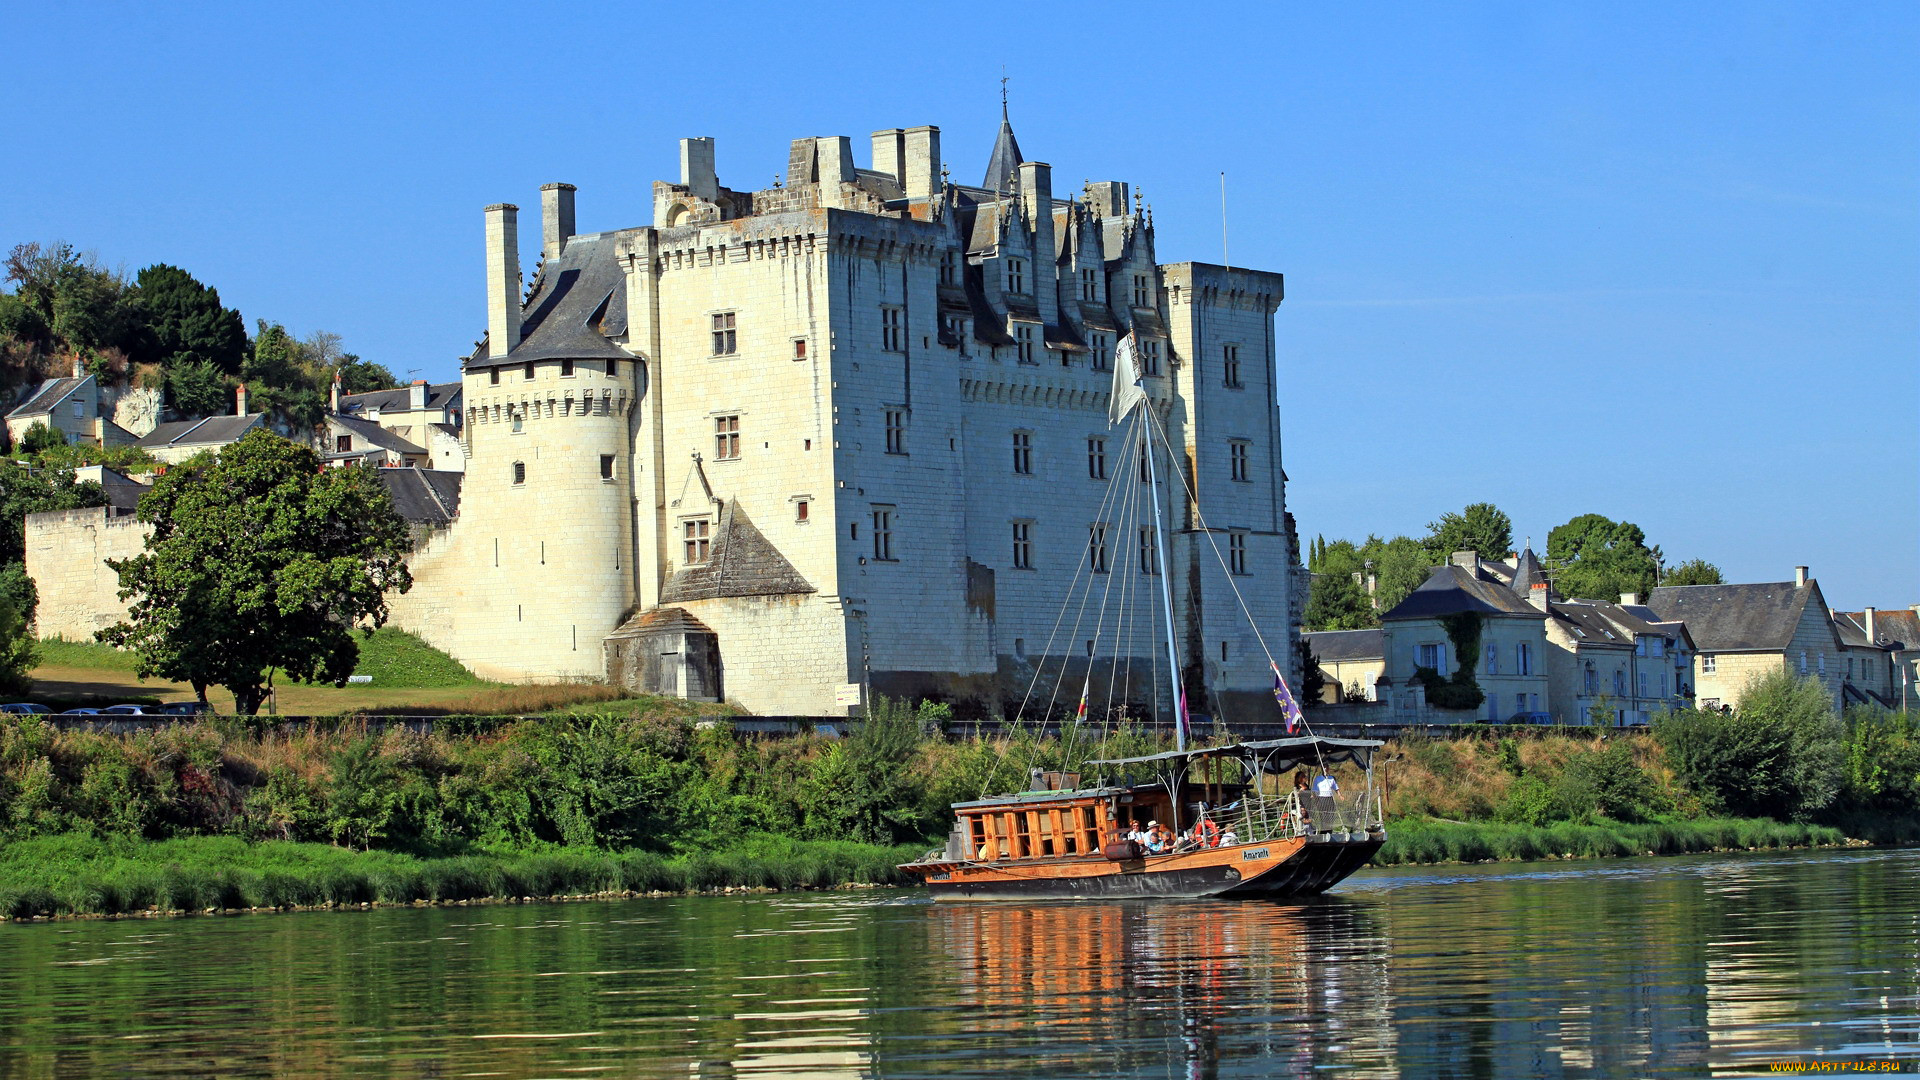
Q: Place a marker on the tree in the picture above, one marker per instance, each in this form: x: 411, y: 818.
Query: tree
x: 22, y: 492
x: 40, y: 438
x: 83, y: 305
x: 259, y: 560
x: 186, y: 323
x: 1400, y: 565
x: 1480, y: 527
x: 197, y: 388
x: 1780, y: 754
x: 1313, y: 681
x: 1335, y: 601
x: 1693, y: 572
x: 1597, y: 558
x: 359, y: 376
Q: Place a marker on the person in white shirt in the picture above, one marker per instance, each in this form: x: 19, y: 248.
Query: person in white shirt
x: 1228, y: 838
x: 1325, y: 785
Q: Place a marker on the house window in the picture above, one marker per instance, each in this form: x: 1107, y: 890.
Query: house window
x: 1803, y: 661
x: 1592, y: 680
x: 1149, y: 357
x: 1023, y: 452
x: 883, y: 533
x: 896, y: 431
x: 613, y: 369
x: 1140, y: 290
x: 726, y: 437
x: 725, y: 343
x: 694, y: 533
x: 606, y: 466
x: 1237, y: 458
x: 529, y: 371
x: 1097, y: 457
x: 949, y: 267
x: 801, y: 508
x: 1619, y: 683
x: 1849, y: 667
x: 1523, y: 658
x: 343, y: 444
x: 1097, y: 547
x: 1707, y: 666
x: 1431, y: 655
x: 493, y: 377
x: 890, y: 329
x: 1493, y: 659
x: 566, y: 369
x: 1101, y: 351
x: 79, y: 410
x: 1147, y: 562
x: 1089, y: 284
x: 799, y: 348
x: 1023, y: 545
x: 1230, y: 366
x: 1493, y: 708
x: 1023, y: 342
x: 1821, y: 660
x: 519, y: 472
x: 1640, y: 646
x: 1663, y: 684
x: 1237, y: 553
x: 1658, y: 646
x: 1642, y: 688
x: 1016, y: 275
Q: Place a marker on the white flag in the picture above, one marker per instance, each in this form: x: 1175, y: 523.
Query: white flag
x: 1126, y: 381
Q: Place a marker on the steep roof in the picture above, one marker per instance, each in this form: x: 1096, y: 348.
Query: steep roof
x: 1898, y: 628
x: 47, y: 396
x: 1346, y: 645
x: 211, y: 431
x: 375, y: 435
x: 742, y: 562
x: 439, y: 396
x: 578, y: 302
x: 1736, y: 618
x: 1452, y: 589
x: 1006, y: 157
x: 665, y: 620
x: 1527, y: 573
x: 423, y: 496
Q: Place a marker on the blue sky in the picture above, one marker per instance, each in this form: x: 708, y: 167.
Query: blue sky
x: 1659, y: 262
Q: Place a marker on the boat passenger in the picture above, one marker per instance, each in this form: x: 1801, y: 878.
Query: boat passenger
x: 1137, y: 834
x: 1229, y: 837
x: 1160, y: 838
x: 1325, y: 785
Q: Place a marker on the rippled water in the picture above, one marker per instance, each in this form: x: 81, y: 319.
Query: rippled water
x: 1682, y: 966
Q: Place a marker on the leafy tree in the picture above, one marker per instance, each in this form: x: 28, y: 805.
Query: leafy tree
x: 16, y: 639
x: 1400, y: 565
x: 197, y: 388
x: 1336, y: 601
x: 83, y: 305
x: 359, y: 376
x: 1780, y: 754
x: 30, y: 491
x: 1693, y: 572
x: 40, y: 438
x: 259, y: 560
x: 276, y: 357
x: 185, y: 321
x: 1597, y: 558
x: 1481, y: 527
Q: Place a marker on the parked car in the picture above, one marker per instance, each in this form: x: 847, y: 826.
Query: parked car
x: 129, y: 710
x: 24, y: 707
x: 1531, y: 718
x: 81, y: 712
x: 184, y: 708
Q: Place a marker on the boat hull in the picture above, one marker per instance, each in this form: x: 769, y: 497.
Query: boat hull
x: 1300, y: 867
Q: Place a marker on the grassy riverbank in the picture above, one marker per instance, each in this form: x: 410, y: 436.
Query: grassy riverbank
x: 1428, y: 841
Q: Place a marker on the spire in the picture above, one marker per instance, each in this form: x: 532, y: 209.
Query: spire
x: 1527, y: 572
x: 1006, y: 152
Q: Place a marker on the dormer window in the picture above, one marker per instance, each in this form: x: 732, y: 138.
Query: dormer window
x: 950, y: 268
x: 1016, y: 275
x: 1149, y: 357
x: 1141, y: 293
x: 1023, y: 341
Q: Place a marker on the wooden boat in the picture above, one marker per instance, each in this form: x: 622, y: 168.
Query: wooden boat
x: 1062, y: 840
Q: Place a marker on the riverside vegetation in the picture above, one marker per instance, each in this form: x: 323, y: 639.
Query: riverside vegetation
x: 232, y: 813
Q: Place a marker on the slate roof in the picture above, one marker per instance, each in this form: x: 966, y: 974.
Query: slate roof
x: 578, y: 301
x: 212, y: 431
x: 1898, y: 628
x: 439, y: 396
x: 423, y: 496
x: 1587, y: 625
x: 375, y: 435
x: 1450, y: 589
x: 47, y: 396
x: 1735, y: 618
x: 741, y: 562
x: 1347, y: 645
x: 1527, y: 573
x: 665, y: 620
x: 1006, y: 157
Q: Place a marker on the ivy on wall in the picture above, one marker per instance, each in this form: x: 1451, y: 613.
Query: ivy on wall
x: 1461, y: 690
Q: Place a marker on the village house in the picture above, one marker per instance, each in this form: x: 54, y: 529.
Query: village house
x: 1744, y: 631
x: 1616, y: 661
x: 1509, y: 658
x: 1879, y: 650
x: 177, y: 440
x: 417, y: 425
x: 1351, y: 662
x: 71, y: 406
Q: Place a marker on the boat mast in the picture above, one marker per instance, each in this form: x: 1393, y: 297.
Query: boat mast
x: 1166, y: 590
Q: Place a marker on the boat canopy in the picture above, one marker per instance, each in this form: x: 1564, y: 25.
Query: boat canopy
x: 1268, y: 755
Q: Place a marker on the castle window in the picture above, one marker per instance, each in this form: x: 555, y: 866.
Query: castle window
x: 1097, y: 548
x: 1146, y: 467
x: 1140, y: 293
x: 519, y: 422
x: 1023, y: 545
x: 606, y: 466
x: 1089, y: 284
x: 890, y: 327
x: 726, y: 438
x: 343, y: 444
x: 800, y: 510
x: 724, y: 341
x: 949, y: 267
x: 613, y: 369
x: 1146, y: 551
x: 1016, y: 275
x: 896, y: 431
x: 493, y: 377
x: 1097, y: 457
x: 1023, y: 341
x: 1230, y: 366
x: 519, y: 472
x: 1237, y: 553
x: 800, y: 348
x: 529, y: 371
x: 1102, y: 352
x: 566, y: 369
x: 1023, y: 452
x: 1149, y: 357
x: 883, y: 533
x: 694, y: 534
x: 1237, y: 452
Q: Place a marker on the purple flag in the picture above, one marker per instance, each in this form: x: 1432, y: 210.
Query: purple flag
x: 1288, y: 706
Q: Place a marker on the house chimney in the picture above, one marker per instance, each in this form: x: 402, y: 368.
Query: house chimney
x: 503, y: 279
x: 333, y: 395
x: 240, y: 400
x: 1867, y: 618
x: 1468, y: 559
x: 1629, y: 598
x: 1036, y: 199
x: 1799, y: 577
x: 556, y: 219
x: 696, y: 169
x: 79, y: 369
x: 417, y: 395
x: 922, y: 163
x: 888, y: 150
x: 1109, y: 197
x: 1537, y: 595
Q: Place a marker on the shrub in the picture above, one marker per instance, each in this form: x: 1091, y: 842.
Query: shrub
x: 1779, y: 754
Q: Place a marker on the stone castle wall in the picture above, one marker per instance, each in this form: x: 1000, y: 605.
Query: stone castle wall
x: 66, y: 558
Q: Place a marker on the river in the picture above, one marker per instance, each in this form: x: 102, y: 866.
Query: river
x: 1678, y: 966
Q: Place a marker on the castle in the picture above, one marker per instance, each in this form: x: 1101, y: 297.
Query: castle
x: 849, y: 434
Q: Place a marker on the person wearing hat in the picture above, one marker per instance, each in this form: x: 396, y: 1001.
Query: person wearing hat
x: 1159, y: 838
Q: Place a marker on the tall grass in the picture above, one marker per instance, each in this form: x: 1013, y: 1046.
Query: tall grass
x: 395, y: 658
x: 1445, y: 841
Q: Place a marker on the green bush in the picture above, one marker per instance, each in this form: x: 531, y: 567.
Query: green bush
x: 1779, y: 754
x: 1607, y: 783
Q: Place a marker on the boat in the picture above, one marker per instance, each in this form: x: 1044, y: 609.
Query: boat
x: 1221, y: 831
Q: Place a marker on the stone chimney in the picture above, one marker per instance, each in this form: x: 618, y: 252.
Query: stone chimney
x: 79, y: 368
x: 1109, y: 197
x: 922, y: 163
x: 1799, y: 577
x: 1036, y: 201
x: 1468, y: 559
x: 1629, y: 598
x: 240, y: 400
x: 834, y: 160
x: 417, y: 395
x: 889, y: 152
x: 333, y: 394
x: 696, y: 168
x: 556, y: 219
x: 503, y: 279
x: 1537, y: 595
x: 1866, y: 617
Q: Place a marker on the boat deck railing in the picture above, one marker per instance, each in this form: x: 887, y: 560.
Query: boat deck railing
x: 1259, y: 818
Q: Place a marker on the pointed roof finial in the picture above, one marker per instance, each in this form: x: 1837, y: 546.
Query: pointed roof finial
x: 1006, y: 150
